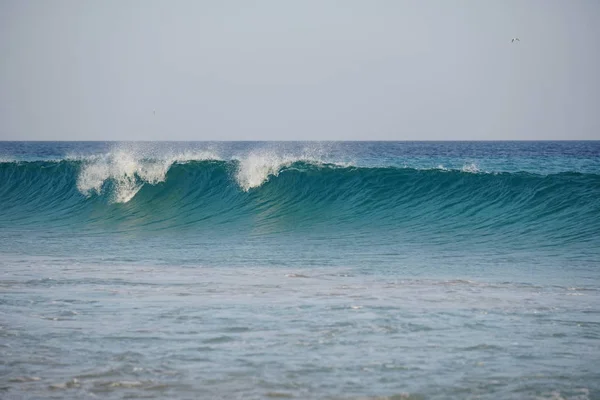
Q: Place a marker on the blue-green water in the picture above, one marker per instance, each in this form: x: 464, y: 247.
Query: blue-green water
x: 338, y: 270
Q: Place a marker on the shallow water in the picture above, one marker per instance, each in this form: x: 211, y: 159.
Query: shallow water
x: 309, y: 271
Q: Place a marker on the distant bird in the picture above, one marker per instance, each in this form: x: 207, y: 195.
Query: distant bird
x: 513, y: 40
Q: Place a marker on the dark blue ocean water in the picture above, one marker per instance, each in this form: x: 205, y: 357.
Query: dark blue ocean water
x: 334, y: 270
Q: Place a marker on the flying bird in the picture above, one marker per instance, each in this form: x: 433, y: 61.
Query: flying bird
x: 513, y: 40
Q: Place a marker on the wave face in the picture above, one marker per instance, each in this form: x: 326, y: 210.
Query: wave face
x: 267, y: 195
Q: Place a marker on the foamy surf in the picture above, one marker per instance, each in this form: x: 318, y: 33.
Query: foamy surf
x: 128, y: 172
x: 471, y: 168
x: 129, y: 169
x: 255, y: 168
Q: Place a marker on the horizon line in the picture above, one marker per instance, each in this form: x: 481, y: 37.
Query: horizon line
x: 308, y: 140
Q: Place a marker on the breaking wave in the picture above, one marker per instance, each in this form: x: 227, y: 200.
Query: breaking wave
x: 263, y: 190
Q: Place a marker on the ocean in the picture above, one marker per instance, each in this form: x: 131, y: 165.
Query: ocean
x: 303, y: 270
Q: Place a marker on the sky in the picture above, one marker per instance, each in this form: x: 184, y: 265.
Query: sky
x: 299, y: 70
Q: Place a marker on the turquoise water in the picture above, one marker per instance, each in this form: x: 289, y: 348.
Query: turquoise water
x: 337, y: 270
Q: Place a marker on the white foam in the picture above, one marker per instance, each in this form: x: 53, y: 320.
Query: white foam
x: 130, y: 166
x: 130, y: 169
x: 126, y: 170
x: 471, y: 168
x: 256, y: 167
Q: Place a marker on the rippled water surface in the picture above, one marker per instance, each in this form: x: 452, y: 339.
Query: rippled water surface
x: 300, y: 270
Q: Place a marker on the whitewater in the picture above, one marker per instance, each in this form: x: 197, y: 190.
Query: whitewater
x: 338, y: 270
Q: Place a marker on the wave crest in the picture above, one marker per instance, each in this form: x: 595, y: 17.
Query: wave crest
x: 255, y: 168
x: 128, y: 171
x: 281, y: 193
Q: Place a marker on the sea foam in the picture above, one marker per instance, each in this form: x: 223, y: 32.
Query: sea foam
x: 129, y: 170
x: 256, y: 167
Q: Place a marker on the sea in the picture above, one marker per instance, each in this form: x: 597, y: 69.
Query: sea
x: 300, y: 270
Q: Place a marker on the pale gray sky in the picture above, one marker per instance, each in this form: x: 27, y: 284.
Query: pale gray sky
x: 299, y: 70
